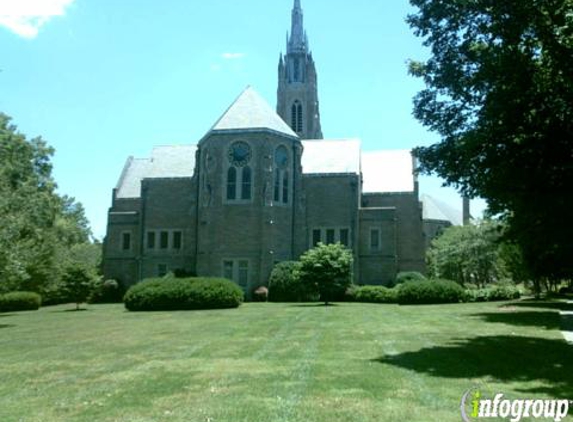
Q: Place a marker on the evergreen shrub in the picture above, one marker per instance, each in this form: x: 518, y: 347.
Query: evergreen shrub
x: 169, y: 294
x: 20, y: 301
x: 285, y: 285
x: 429, y: 292
x: 406, y: 276
x: 375, y: 294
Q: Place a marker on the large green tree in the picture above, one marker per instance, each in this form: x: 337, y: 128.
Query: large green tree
x: 499, y: 92
x: 36, y: 223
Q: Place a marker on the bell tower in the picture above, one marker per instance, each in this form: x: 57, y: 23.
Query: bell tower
x: 297, y: 94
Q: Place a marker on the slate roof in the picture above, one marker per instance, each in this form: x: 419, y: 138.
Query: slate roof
x: 387, y: 171
x: 250, y: 111
x: 165, y: 162
x: 434, y: 209
x: 331, y: 156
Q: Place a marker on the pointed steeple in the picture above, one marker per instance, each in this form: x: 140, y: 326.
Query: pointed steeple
x: 297, y: 94
x: 297, y: 43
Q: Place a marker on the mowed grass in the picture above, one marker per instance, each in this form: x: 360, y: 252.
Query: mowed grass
x: 277, y: 362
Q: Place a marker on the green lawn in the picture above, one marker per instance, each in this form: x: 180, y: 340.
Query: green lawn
x: 276, y: 362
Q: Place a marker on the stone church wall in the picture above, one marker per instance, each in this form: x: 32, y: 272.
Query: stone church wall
x: 409, y: 227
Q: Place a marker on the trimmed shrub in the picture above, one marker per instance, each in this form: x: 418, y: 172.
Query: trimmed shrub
x: 492, y: 294
x: 108, y: 291
x: 406, y: 276
x: 284, y: 284
x: 20, y: 301
x: 375, y: 294
x: 260, y: 294
x: 170, y: 294
x: 430, y: 291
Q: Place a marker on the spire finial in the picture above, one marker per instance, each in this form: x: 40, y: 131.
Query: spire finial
x: 297, y: 40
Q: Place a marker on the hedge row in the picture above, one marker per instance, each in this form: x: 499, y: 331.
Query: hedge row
x: 431, y: 291
x: 168, y: 294
x: 374, y: 294
x: 20, y: 301
x: 492, y: 294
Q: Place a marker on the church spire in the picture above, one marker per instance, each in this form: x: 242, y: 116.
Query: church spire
x: 297, y: 94
x: 297, y: 42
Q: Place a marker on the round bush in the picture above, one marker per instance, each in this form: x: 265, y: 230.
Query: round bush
x: 405, y: 276
x: 169, y: 294
x: 375, y: 294
x: 430, y: 291
x: 285, y: 286
x: 20, y: 301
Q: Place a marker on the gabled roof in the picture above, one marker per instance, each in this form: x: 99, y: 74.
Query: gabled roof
x: 251, y: 112
x: 331, y: 156
x: 387, y: 171
x: 434, y: 209
x: 172, y: 161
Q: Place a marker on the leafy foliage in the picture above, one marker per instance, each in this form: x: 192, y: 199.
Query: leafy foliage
x: 430, y: 291
x: 78, y: 282
x: 38, y: 226
x: 474, y: 254
x: 499, y: 92
x: 169, y: 293
x: 375, y: 294
x: 327, y: 269
x: 108, y: 291
x: 20, y: 301
x: 405, y: 276
x: 285, y: 285
x: 491, y: 294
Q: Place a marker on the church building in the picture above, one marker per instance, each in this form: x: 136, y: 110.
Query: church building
x: 261, y: 187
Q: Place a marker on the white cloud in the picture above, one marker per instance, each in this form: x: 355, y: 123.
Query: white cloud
x: 26, y: 17
x: 232, y: 56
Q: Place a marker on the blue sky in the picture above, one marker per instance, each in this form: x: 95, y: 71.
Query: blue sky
x: 101, y: 80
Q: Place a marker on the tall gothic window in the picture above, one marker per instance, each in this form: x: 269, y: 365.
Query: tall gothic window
x: 296, y: 116
x: 232, y: 183
x: 239, y: 173
x: 246, y: 183
x: 282, y: 180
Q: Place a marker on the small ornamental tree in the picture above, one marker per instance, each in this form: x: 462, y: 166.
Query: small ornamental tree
x: 327, y: 269
x: 78, y: 282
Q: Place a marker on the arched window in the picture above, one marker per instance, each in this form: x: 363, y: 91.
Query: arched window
x: 232, y: 183
x: 299, y: 118
x: 281, y: 175
x: 293, y: 117
x: 246, y: 183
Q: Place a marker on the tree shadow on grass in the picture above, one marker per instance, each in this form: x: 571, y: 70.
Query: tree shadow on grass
x: 70, y: 310
x: 505, y: 358
x: 541, y: 304
x: 314, y: 305
x: 6, y: 325
x: 547, y: 320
